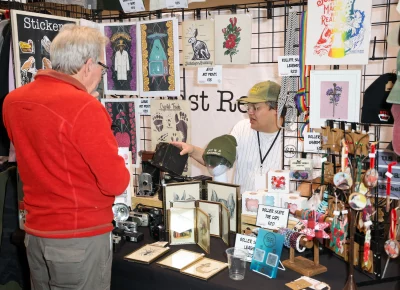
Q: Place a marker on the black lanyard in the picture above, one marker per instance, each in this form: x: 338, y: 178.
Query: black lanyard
x: 259, y: 147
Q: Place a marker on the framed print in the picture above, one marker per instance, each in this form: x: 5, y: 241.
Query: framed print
x: 146, y: 254
x: 121, y: 58
x: 233, y: 39
x: 198, y: 43
x: 203, y: 230
x: 338, y: 32
x: 225, y: 218
x: 213, y: 209
x: 335, y: 95
x: 180, y: 259
x: 182, y: 203
x: 181, y: 225
x: 180, y: 191
x: 158, y: 56
x: 204, y: 268
x: 125, y: 125
x: 32, y: 34
x: 229, y: 195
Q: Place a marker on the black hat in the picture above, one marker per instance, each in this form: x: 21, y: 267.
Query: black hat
x: 375, y: 110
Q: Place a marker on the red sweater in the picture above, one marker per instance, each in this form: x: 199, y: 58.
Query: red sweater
x: 67, y: 157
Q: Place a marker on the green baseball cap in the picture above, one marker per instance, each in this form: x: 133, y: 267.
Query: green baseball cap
x: 262, y: 92
x: 394, y: 96
x: 223, y: 146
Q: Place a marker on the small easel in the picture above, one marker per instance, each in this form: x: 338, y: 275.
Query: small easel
x: 304, y: 266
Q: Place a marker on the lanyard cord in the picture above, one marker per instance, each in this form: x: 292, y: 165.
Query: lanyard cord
x: 270, y: 147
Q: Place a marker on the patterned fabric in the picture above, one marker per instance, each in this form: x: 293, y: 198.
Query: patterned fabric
x: 317, y: 231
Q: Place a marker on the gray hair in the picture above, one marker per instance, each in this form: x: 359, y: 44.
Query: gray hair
x: 73, y: 46
x: 274, y: 106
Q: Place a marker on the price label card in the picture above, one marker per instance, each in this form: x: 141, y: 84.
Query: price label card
x: 312, y: 142
x: 271, y: 217
x: 209, y: 75
x: 289, y: 65
x: 176, y: 4
x: 246, y: 243
x: 143, y: 106
x: 132, y: 5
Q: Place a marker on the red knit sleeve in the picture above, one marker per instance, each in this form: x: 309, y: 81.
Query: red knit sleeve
x: 95, y: 141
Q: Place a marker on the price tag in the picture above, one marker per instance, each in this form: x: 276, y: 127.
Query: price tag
x: 209, y: 75
x: 312, y: 142
x: 371, y: 155
x: 132, y: 5
x: 289, y: 65
x: 323, y: 159
x: 367, y: 223
x: 388, y: 174
x: 157, y: 5
x: 246, y: 243
x: 345, y: 211
x: 143, y: 106
x: 336, y: 213
x: 176, y: 4
x: 272, y: 218
x: 260, y: 181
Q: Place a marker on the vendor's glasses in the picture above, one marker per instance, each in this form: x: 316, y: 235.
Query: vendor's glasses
x: 105, y: 68
x: 254, y: 108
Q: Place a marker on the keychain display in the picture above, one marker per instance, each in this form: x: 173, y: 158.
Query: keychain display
x: 343, y: 180
x: 371, y: 176
x: 389, y: 176
x: 357, y: 200
x: 392, y: 245
x: 366, y: 219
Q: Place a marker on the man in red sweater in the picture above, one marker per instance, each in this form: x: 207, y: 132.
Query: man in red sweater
x: 68, y: 161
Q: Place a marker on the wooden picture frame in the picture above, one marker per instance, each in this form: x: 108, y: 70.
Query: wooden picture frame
x: 225, y: 230
x: 146, y: 254
x: 180, y: 259
x: 213, y: 209
x: 229, y: 195
x: 204, y: 269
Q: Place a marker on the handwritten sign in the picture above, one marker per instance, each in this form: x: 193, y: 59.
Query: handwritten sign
x: 312, y: 142
x: 246, y: 243
x: 289, y: 65
x: 132, y: 5
x: 209, y: 75
x: 176, y: 4
x: 270, y: 217
x: 143, y: 107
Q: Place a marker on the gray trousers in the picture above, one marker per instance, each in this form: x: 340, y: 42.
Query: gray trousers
x: 79, y: 263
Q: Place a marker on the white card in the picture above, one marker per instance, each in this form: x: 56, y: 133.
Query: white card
x: 209, y: 75
x: 260, y: 181
x: 289, y: 65
x: 132, y: 5
x: 176, y: 4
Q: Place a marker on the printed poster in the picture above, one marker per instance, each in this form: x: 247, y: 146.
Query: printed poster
x: 170, y: 121
x: 125, y: 125
x: 233, y: 39
x: 338, y: 32
x: 198, y: 43
x: 32, y: 34
x: 158, y: 56
x: 120, y: 57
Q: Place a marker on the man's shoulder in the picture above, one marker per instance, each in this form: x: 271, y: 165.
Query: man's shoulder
x: 245, y: 123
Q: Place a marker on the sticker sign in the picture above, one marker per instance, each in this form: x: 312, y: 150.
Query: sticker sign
x: 132, y: 5
x: 143, y: 107
x: 289, y: 65
x: 209, y: 75
x: 271, y: 217
x: 176, y: 4
x: 312, y: 142
x: 246, y: 243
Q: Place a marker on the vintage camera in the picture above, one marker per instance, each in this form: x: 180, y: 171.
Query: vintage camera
x: 130, y: 232
x: 157, y: 228
x: 141, y: 218
x: 149, y: 179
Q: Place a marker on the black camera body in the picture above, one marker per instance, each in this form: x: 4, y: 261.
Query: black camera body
x: 156, y: 225
x: 149, y: 180
x: 128, y: 230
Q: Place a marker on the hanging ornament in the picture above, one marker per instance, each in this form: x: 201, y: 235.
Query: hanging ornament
x: 392, y: 245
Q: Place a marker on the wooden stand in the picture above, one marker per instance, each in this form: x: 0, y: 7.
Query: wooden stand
x: 304, y: 266
x: 152, y: 201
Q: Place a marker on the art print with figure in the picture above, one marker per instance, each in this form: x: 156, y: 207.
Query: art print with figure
x: 229, y: 196
x: 233, y: 39
x: 125, y: 125
x: 120, y: 57
x: 338, y: 32
x: 198, y: 43
x: 158, y: 57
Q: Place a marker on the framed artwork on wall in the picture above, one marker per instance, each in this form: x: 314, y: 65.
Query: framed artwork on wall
x: 229, y: 195
x: 233, y: 39
x: 158, y: 56
x: 120, y: 57
x: 198, y: 43
x: 334, y: 95
x: 125, y: 125
x: 32, y: 34
x: 338, y: 32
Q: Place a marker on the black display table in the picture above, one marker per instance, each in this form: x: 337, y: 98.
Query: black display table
x: 131, y: 275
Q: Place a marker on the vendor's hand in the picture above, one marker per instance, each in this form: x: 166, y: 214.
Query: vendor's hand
x: 185, y: 148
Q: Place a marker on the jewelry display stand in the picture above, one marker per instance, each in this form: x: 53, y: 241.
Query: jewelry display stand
x: 303, y: 265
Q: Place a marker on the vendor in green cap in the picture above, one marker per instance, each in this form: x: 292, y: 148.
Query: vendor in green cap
x: 258, y: 138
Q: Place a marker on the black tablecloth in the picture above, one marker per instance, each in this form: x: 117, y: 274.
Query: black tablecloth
x: 131, y: 275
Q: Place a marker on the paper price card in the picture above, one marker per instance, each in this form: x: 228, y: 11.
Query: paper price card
x: 271, y: 217
x: 313, y: 142
x: 246, y: 243
x: 209, y: 75
x: 132, y: 5
x: 143, y: 107
x: 289, y: 65
x: 176, y: 4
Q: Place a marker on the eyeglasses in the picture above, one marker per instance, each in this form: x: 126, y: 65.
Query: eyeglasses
x: 254, y: 108
x: 105, y: 68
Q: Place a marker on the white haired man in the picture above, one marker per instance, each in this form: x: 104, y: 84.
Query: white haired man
x: 69, y: 165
